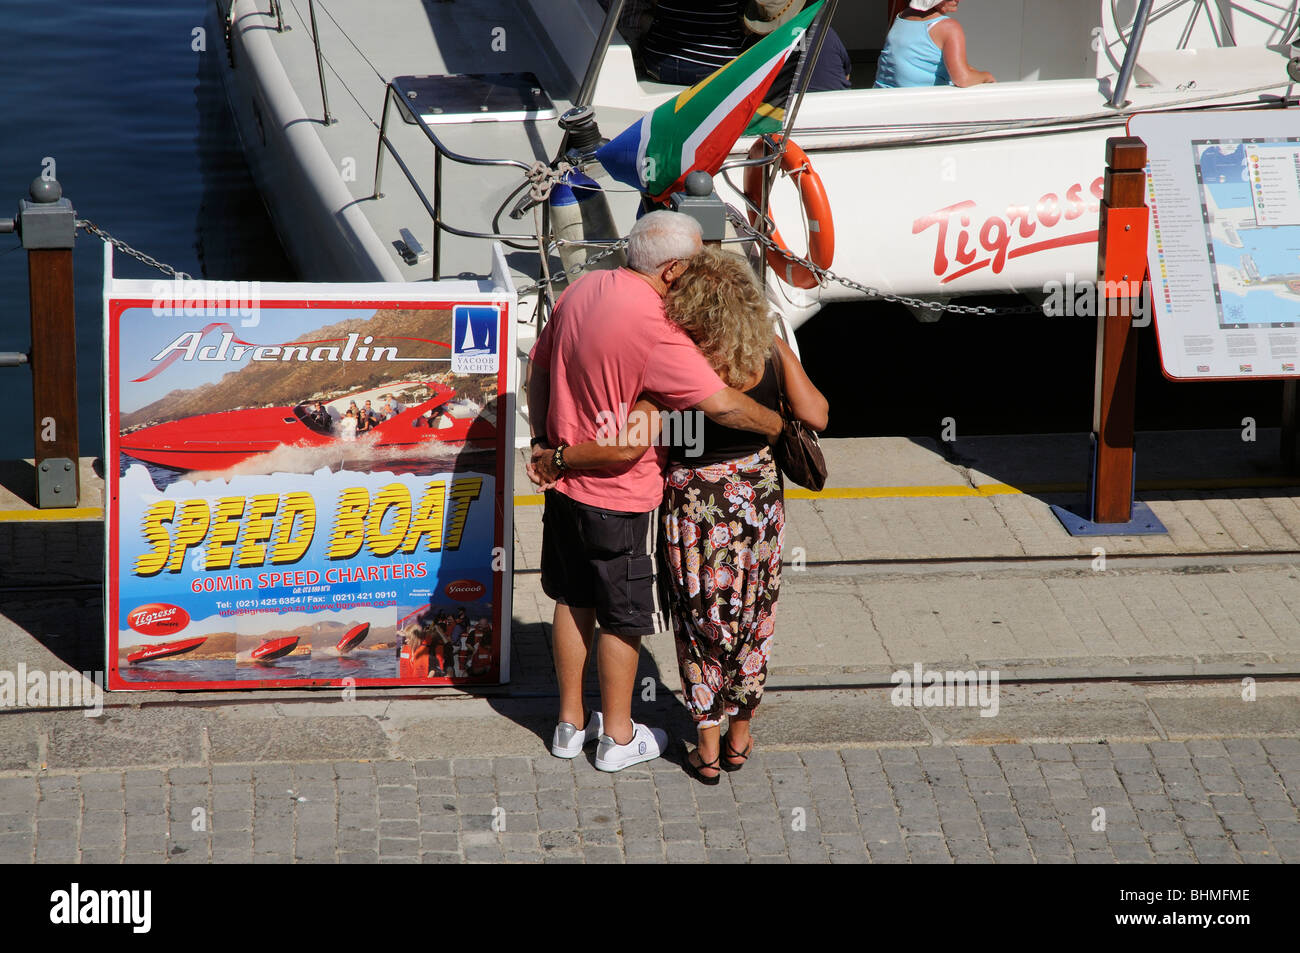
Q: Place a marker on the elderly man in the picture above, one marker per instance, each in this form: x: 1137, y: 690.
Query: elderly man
x: 607, y: 344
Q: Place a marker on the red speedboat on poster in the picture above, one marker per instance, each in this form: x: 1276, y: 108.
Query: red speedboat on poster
x: 150, y: 653
x: 274, y: 649
x: 218, y: 441
x: 353, y: 637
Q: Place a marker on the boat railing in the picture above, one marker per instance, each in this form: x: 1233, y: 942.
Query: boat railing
x: 440, y: 151
x: 320, y: 63
x: 1119, y: 96
x: 226, y: 15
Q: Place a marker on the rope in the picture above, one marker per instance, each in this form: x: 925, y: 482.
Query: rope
x: 542, y: 179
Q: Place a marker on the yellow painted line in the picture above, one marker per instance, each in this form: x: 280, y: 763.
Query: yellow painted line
x: 895, y: 492
x: 72, y: 513
x: 1208, y: 483
x: 1236, y: 483
x: 865, y: 493
x: 997, y: 489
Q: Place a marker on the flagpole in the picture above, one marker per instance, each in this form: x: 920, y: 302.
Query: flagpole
x: 588, y: 88
x: 806, y: 65
x: 587, y: 91
x: 802, y: 77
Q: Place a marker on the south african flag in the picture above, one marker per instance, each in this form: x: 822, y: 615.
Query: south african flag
x: 696, y: 130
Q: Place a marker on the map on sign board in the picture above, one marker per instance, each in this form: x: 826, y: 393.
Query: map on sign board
x: 1250, y: 200
x: 1224, y: 246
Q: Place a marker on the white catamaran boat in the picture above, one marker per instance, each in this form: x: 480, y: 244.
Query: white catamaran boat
x: 391, y: 139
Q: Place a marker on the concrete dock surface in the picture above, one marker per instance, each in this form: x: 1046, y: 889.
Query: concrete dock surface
x: 1154, y: 677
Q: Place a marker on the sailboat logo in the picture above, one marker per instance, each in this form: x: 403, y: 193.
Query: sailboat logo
x: 475, y: 333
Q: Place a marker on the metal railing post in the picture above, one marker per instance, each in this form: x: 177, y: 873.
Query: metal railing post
x: 437, y: 213
x: 49, y: 229
x: 320, y: 66
x: 1119, y: 95
x: 440, y: 152
x: 379, y: 146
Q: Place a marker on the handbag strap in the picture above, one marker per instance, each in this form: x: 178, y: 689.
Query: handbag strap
x: 783, y: 405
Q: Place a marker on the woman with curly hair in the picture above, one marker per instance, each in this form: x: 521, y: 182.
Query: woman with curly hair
x: 723, y: 506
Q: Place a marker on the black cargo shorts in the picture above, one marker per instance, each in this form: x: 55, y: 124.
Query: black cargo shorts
x: 600, y: 559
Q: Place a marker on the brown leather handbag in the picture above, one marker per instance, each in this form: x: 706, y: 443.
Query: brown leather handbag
x: 797, y: 450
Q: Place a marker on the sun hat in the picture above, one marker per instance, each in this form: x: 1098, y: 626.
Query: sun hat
x: 764, y: 16
x: 924, y: 5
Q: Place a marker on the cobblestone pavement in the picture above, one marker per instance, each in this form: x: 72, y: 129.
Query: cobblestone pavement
x: 1170, y: 802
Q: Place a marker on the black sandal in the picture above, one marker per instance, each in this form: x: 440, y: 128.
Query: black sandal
x: 697, y: 772
x: 729, y: 752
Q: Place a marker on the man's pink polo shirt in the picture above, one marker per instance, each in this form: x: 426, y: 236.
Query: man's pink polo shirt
x: 608, y: 343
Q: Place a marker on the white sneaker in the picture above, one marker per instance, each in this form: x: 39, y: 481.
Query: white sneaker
x: 568, y: 741
x: 646, y: 745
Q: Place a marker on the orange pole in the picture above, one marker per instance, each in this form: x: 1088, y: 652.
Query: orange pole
x: 1122, y: 252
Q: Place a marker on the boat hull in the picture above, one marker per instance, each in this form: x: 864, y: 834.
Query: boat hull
x: 151, y: 653
x: 977, y: 213
x: 354, y: 637
x: 274, y: 649
x: 220, y: 441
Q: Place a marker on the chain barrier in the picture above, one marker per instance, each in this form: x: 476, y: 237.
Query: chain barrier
x: 575, y: 270
x: 825, y: 274
x: 544, y: 178
x: 126, y: 249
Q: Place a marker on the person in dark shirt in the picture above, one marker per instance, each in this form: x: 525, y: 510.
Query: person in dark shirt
x: 690, y: 39
x: 323, y: 418
x: 833, y: 69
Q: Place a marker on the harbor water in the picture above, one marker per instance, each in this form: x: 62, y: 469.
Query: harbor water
x: 134, y: 121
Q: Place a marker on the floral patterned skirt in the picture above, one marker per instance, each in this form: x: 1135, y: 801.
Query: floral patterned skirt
x: 723, y: 528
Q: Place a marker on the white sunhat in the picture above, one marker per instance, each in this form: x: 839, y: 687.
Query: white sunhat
x: 924, y: 5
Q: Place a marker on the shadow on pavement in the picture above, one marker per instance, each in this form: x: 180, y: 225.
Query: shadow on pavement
x: 533, y: 677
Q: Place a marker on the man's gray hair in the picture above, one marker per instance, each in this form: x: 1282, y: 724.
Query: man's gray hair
x: 659, y: 237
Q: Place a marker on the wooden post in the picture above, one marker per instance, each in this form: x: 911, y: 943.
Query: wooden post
x: 1289, y: 447
x: 1122, y: 252
x: 48, y: 229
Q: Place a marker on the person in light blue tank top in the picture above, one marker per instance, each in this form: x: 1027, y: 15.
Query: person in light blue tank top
x: 926, y: 47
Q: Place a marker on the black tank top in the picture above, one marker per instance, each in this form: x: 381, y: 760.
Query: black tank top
x: 721, y: 443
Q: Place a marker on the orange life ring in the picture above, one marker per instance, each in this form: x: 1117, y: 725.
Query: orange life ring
x: 816, y: 206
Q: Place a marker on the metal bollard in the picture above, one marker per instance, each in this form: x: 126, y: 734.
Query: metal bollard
x: 701, y: 203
